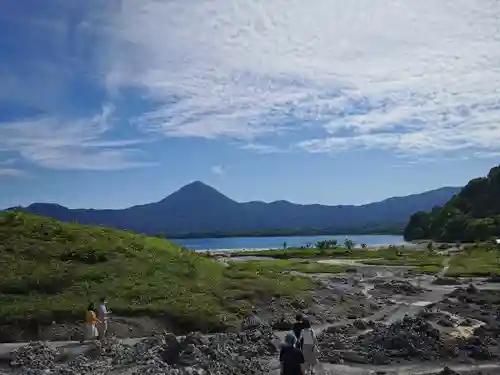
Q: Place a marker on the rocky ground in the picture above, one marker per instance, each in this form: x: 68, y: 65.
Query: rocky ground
x: 232, y: 353
x: 372, y: 322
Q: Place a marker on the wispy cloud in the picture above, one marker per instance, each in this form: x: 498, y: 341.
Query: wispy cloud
x: 262, y: 148
x: 219, y: 170
x: 13, y: 173
x: 417, y: 78
x: 58, y: 143
x: 8, y: 161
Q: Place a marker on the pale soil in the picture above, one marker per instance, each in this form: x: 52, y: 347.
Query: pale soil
x: 338, y: 301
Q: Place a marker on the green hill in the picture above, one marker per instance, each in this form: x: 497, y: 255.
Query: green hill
x: 50, y: 271
x: 471, y: 215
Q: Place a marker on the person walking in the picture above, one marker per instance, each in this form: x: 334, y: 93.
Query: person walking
x: 291, y: 358
x: 251, y: 320
x: 309, y: 344
x: 297, y: 328
x: 102, y: 314
x: 91, y: 321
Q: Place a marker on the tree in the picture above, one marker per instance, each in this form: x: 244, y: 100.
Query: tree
x: 430, y: 247
x: 326, y: 244
x: 471, y: 215
x: 349, y: 244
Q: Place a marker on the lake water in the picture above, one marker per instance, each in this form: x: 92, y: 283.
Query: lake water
x: 277, y: 242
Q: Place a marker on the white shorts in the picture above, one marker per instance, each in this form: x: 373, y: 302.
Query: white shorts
x: 102, y: 328
x: 90, y: 331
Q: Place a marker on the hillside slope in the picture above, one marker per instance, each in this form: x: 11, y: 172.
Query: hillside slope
x: 198, y: 208
x: 473, y: 214
x: 51, y: 270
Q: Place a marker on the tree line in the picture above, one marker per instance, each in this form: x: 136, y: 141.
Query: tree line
x: 471, y: 215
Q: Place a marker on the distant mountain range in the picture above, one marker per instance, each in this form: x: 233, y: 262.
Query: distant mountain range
x: 199, y: 210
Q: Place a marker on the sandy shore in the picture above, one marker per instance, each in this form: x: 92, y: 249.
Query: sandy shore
x: 227, y: 252
x: 233, y: 250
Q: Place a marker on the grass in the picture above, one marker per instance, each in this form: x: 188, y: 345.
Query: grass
x: 51, y: 270
x: 287, y: 265
x: 293, y: 252
x: 384, y: 256
x: 476, y: 261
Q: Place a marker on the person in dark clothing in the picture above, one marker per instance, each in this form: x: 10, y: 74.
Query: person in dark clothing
x: 298, y: 326
x: 291, y: 358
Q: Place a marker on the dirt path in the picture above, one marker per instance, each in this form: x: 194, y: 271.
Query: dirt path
x: 387, y: 315
x: 406, y: 369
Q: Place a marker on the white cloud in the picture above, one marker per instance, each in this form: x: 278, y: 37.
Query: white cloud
x: 219, y: 170
x: 8, y: 161
x: 13, y: 172
x: 262, y: 148
x: 58, y: 143
x: 416, y: 77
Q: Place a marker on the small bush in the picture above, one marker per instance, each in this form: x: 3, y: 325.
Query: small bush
x: 91, y: 256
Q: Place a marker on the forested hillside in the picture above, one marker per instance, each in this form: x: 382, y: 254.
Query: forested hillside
x: 471, y: 215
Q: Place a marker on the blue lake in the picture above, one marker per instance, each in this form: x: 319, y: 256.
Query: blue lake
x: 277, y: 242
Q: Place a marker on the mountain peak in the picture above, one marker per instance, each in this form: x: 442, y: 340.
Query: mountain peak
x: 199, y: 192
x: 196, y: 185
x: 197, y: 188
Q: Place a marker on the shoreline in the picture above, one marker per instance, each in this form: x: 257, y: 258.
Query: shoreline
x: 240, y: 251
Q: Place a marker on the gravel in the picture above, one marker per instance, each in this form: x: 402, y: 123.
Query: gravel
x: 194, y: 354
x: 409, y: 339
x: 399, y: 287
x: 35, y: 356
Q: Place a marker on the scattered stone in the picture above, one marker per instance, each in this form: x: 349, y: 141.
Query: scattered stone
x: 34, y: 356
x: 360, y: 324
x: 333, y: 341
x: 446, y: 281
x: 447, y: 371
x: 493, y: 279
x: 471, y: 289
x: 282, y: 324
x: 225, y: 354
x: 399, y: 287
x: 411, y: 338
x: 445, y: 321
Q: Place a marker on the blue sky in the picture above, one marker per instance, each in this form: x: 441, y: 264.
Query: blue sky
x: 115, y: 103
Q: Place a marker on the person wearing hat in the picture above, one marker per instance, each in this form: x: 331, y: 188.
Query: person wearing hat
x: 291, y: 358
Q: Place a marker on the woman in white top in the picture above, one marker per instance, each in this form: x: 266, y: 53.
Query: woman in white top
x: 309, y: 345
x: 102, y: 326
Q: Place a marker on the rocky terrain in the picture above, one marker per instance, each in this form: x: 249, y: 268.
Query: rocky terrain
x: 195, y: 353
x: 366, y: 322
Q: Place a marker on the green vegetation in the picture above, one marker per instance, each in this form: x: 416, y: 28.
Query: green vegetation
x: 475, y: 260
x: 326, y: 244
x: 292, y: 252
x: 349, y: 244
x: 50, y: 271
x: 429, y: 270
x: 393, y: 255
x: 286, y: 265
x: 471, y: 215
x: 396, y: 257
